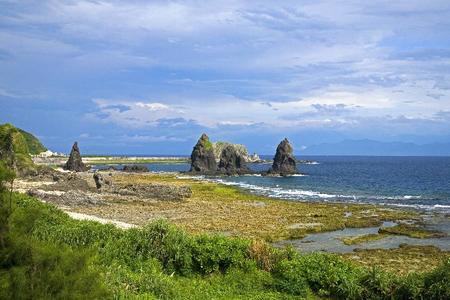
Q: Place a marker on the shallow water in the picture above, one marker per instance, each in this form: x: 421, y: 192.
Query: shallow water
x: 329, y: 241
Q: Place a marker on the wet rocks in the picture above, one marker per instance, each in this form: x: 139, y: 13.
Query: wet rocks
x: 71, y: 198
x: 232, y: 162
x: 135, y: 168
x: 202, y: 158
x: 75, y: 163
x: 284, y: 162
x: 153, y: 191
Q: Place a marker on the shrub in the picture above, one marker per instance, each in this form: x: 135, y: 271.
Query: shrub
x: 437, y: 282
x: 218, y: 253
x: 409, y: 287
x: 160, y: 240
x: 377, y: 284
x: 326, y: 274
x: 290, y: 279
x: 34, y: 270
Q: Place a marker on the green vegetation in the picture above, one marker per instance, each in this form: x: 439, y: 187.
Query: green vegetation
x: 34, y: 145
x: 16, y: 146
x: 219, y: 146
x: 32, y: 269
x: 46, y: 254
x: 352, y: 240
x: 403, y: 260
x: 411, y: 231
x: 208, y: 145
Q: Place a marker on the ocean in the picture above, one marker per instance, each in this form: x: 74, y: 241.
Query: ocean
x: 411, y: 182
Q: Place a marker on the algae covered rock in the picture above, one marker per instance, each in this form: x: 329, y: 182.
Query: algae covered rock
x: 135, y: 168
x: 75, y: 163
x: 232, y: 162
x: 284, y: 162
x: 203, y: 159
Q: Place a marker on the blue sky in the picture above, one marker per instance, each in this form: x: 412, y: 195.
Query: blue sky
x: 150, y: 76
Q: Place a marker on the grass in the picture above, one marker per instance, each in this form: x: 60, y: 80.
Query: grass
x: 403, y: 260
x: 353, y: 240
x: 216, y: 208
x: 411, y: 231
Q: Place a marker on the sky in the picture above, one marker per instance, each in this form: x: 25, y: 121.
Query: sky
x: 148, y: 77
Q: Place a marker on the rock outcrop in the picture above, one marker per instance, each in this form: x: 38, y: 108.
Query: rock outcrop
x: 202, y: 157
x: 153, y: 191
x: 232, y: 162
x: 100, y: 181
x: 284, y: 162
x: 72, y: 198
x: 135, y: 168
x: 75, y: 163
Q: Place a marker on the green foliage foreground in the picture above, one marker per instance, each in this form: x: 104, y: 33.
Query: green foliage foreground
x: 46, y: 254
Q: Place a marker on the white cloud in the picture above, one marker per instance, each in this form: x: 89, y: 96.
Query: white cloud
x: 237, y: 63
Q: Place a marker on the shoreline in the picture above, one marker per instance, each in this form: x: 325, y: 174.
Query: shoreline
x: 215, y: 208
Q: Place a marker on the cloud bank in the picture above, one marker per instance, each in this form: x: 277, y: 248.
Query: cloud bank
x: 151, y: 76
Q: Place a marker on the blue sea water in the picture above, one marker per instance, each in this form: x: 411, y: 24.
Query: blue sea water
x: 415, y: 182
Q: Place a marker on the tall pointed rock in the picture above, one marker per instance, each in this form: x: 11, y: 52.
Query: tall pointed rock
x: 284, y: 160
x: 202, y: 157
x: 75, y: 163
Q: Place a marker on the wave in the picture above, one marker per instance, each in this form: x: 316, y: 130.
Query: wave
x: 309, y: 195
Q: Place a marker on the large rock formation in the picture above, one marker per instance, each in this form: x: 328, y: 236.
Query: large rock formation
x: 284, y: 160
x: 232, y: 162
x: 202, y: 157
x: 75, y: 163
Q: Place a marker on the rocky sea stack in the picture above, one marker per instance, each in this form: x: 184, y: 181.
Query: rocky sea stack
x: 75, y: 163
x: 232, y: 162
x: 284, y: 160
x: 202, y: 157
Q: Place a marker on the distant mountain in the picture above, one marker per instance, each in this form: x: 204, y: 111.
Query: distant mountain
x: 371, y: 147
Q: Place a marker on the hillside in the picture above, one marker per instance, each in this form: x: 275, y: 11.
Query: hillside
x: 34, y: 145
x: 16, y: 146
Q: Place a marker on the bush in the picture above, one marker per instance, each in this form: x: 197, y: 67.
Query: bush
x: 217, y: 253
x: 160, y: 240
x: 34, y: 270
x: 409, y: 287
x: 377, y: 284
x: 290, y: 279
x: 328, y: 275
x: 437, y: 282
